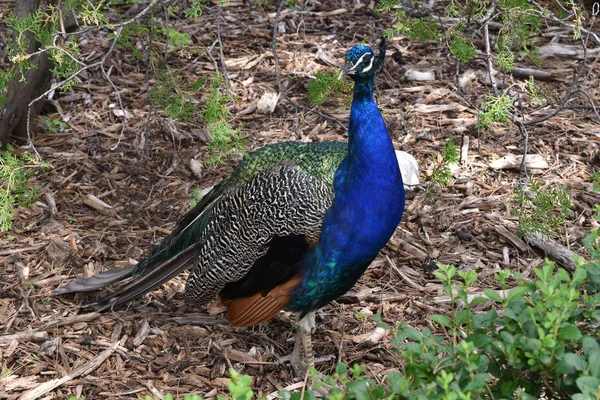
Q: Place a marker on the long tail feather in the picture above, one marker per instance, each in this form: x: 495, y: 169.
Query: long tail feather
x: 159, y: 275
x: 95, y: 282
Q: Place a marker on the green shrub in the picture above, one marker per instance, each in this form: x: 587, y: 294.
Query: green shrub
x: 224, y: 139
x: 326, y: 84
x: 441, y: 174
x: 15, y: 189
x: 543, y: 210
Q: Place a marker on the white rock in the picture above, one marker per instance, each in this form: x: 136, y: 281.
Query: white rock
x: 413, y: 75
x: 267, y: 103
x: 409, y: 169
x: 196, y: 168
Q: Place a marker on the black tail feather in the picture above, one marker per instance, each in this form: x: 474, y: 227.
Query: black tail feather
x: 138, y: 286
x: 160, y: 274
x: 95, y: 282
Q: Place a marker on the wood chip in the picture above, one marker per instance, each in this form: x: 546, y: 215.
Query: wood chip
x: 509, y: 161
x: 142, y: 333
x: 96, y: 203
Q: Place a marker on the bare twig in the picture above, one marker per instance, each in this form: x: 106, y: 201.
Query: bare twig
x: 221, y: 55
x: 488, y: 54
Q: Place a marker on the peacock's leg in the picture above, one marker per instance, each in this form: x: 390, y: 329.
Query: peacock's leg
x: 303, y: 346
x: 306, y: 328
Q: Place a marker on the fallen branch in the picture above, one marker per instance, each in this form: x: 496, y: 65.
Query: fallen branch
x: 32, y: 336
x: 553, y: 250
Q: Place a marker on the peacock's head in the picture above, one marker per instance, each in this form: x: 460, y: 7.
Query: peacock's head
x: 360, y: 63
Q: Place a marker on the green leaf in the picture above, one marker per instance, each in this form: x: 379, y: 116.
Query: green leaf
x: 510, y: 314
x: 569, y: 332
x: 562, y: 275
x: 478, y: 383
x: 594, y: 363
x: 479, y: 339
x: 358, y: 390
x: 478, y: 300
x: 463, y: 316
x: 3, y: 101
x: 589, y: 386
x: 575, y: 361
x: 590, y: 344
x: 442, y: 320
x: 493, y: 295
x: 579, y: 275
x: 412, y: 334
x: 516, y: 293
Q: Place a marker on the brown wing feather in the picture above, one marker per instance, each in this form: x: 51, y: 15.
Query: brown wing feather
x: 258, y: 308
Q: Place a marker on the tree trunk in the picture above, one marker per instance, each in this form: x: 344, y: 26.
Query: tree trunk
x: 13, y: 117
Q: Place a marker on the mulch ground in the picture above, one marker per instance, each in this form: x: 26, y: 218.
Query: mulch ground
x: 54, y: 349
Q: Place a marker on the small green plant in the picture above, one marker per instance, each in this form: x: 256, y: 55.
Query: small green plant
x: 15, y: 189
x: 494, y: 109
x: 6, y: 373
x: 419, y: 29
x: 173, y: 95
x: 596, y: 181
x: 543, y: 210
x: 461, y: 48
x: 53, y: 125
x: 176, y: 38
x: 360, y: 316
x: 195, y: 197
x: 194, y: 10
x: 224, y: 139
x: 326, y: 84
x: 506, y: 60
x: 441, y: 174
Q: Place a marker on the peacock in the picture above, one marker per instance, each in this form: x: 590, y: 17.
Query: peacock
x: 292, y: 228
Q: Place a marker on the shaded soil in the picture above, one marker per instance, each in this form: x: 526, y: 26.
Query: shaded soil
x: 146, y: 183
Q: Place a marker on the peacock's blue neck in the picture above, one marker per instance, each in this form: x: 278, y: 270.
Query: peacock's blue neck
x: 367, y: 207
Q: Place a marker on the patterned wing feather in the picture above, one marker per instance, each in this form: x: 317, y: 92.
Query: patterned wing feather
x: 318, y: 160
x: 277, y: 202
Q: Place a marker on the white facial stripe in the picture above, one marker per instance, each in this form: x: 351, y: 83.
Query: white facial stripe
x: 370, y: 65
x: 360, y: 59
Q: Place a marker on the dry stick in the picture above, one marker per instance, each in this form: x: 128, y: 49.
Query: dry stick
x: 84, y: 68
x: 22, y: 249
x: 221, y: 55
x: 145, y: 132
x: 82, y: 370
x: 561, y: 106
x: 30, y: 336
x: 121, y: 106
x: 277, y: 76
x: 488, y: 53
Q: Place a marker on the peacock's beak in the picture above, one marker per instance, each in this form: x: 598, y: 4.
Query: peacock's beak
x: 347, y: 69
